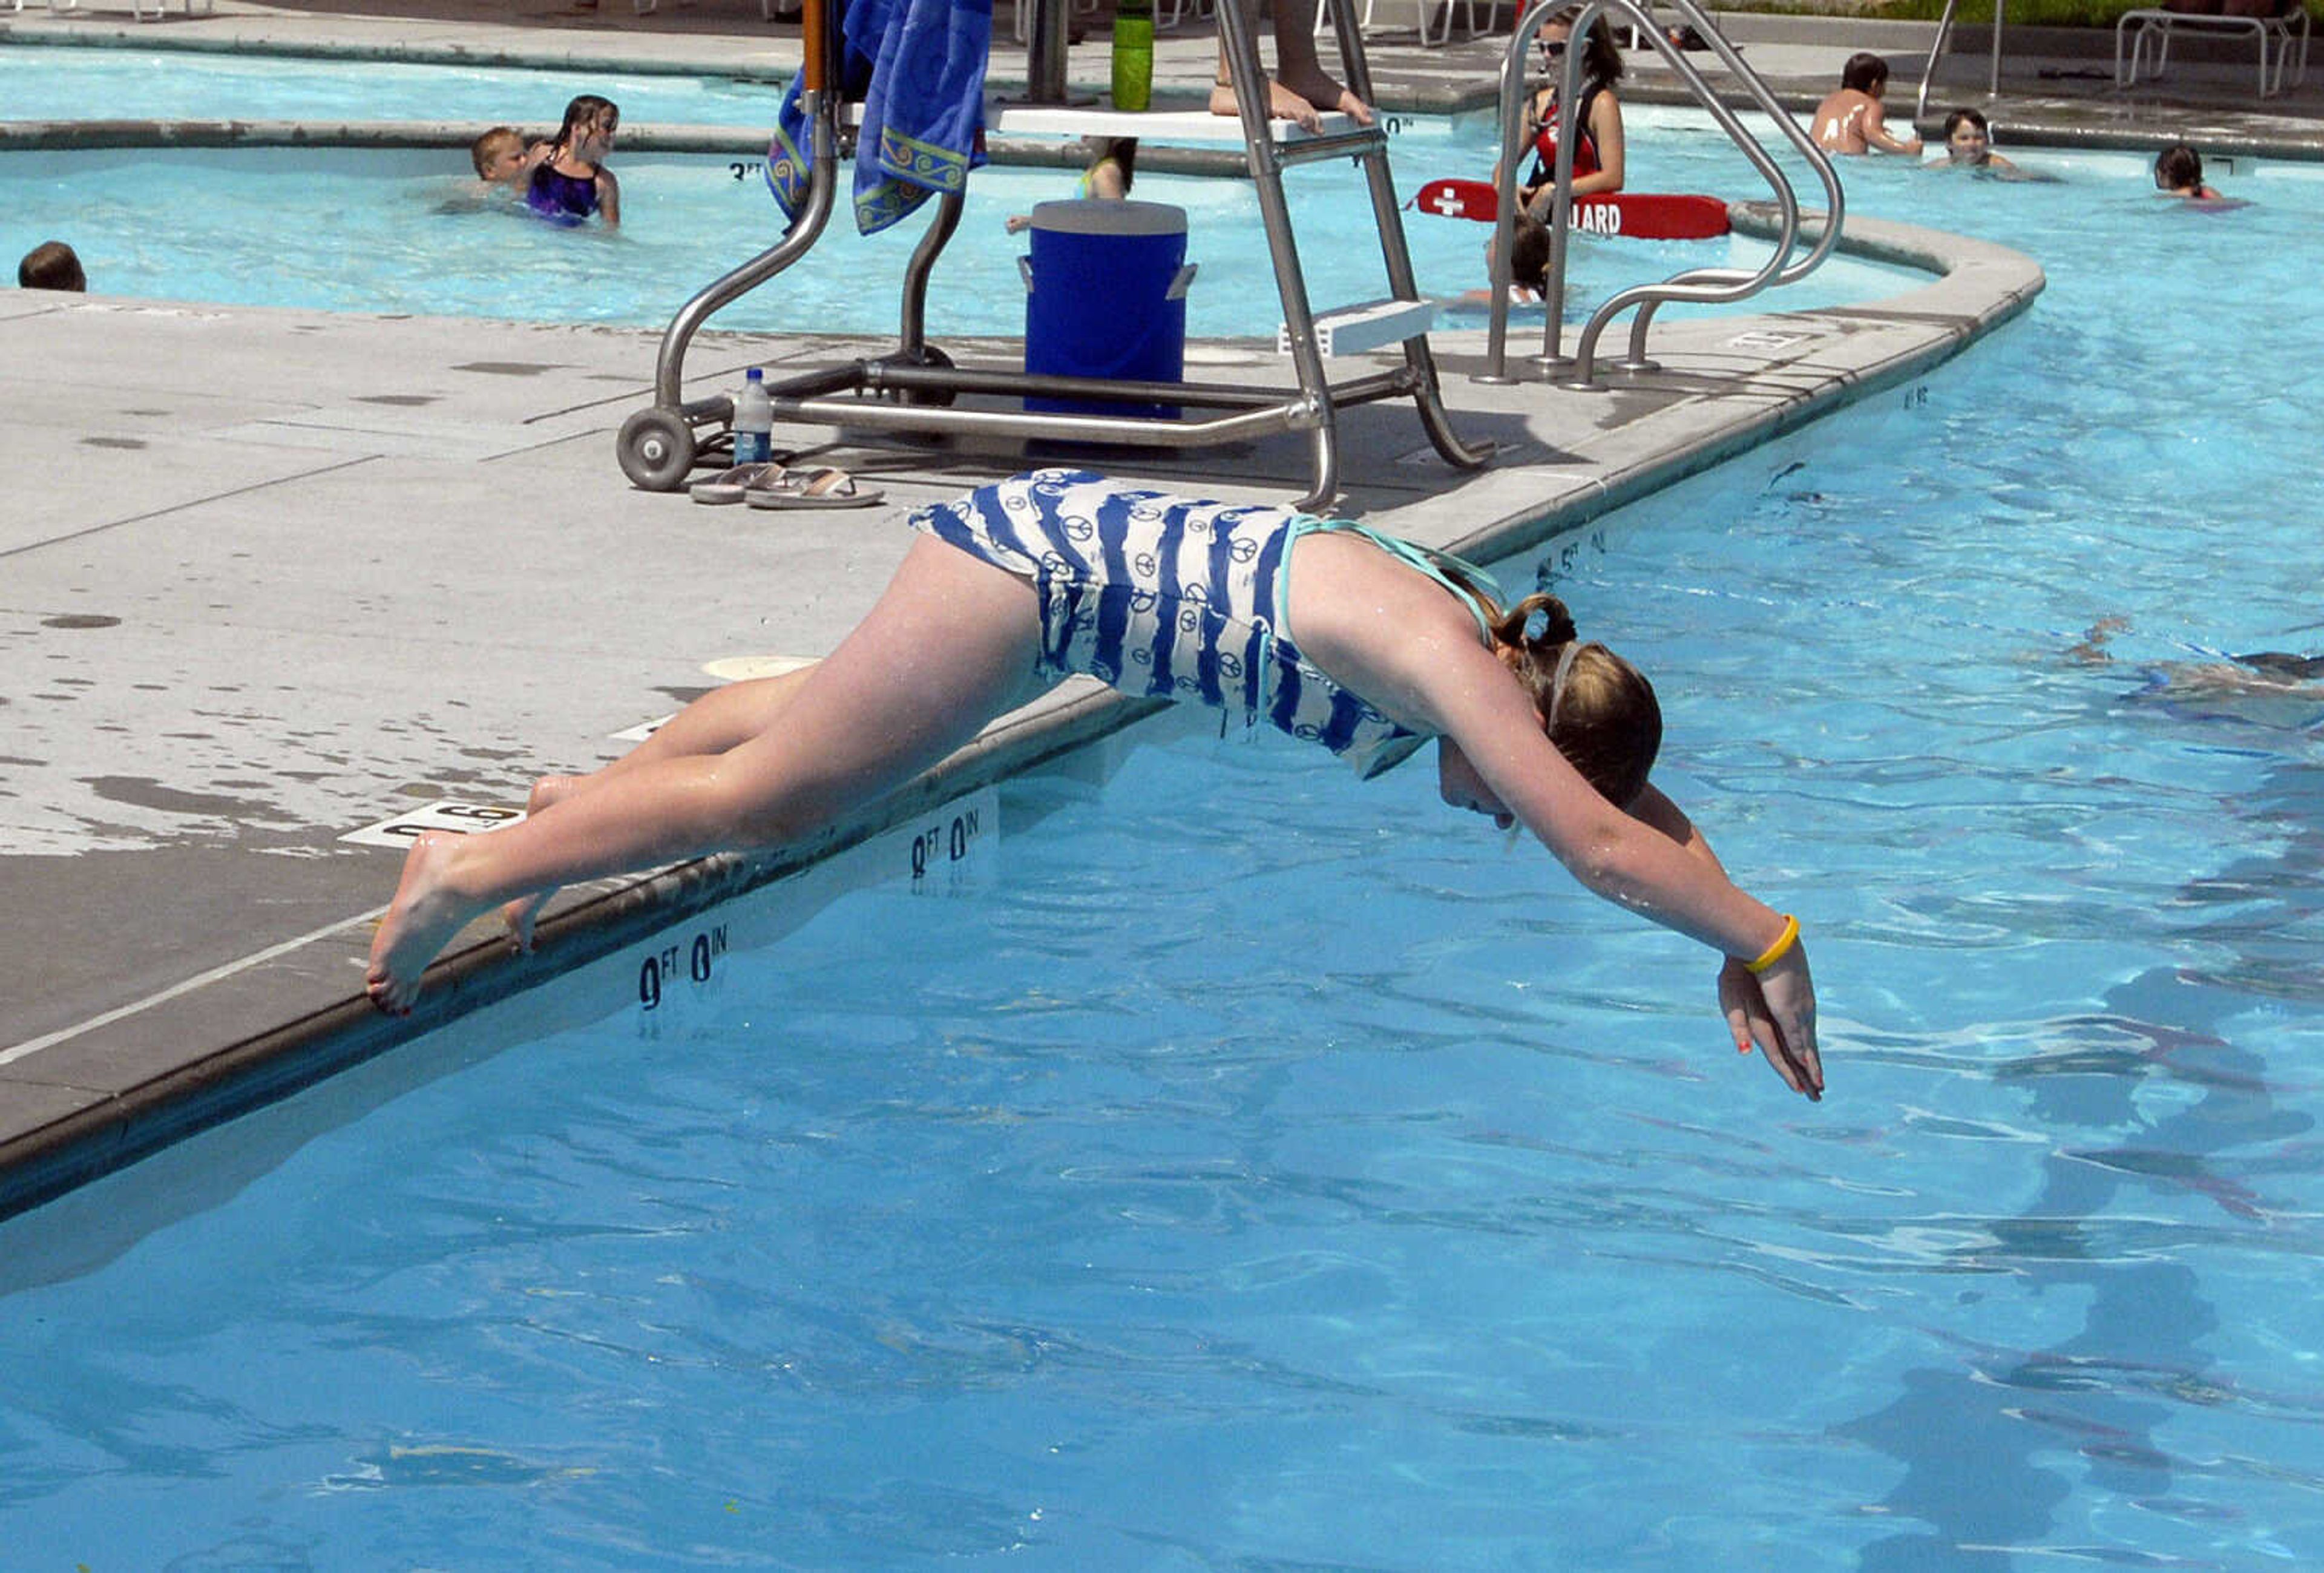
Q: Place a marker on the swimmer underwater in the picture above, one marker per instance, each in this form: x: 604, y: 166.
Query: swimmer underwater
x: 1018, y: 584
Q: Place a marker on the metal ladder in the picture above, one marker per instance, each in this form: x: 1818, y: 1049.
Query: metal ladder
x: 1697, y: 285
x: 911, y: 390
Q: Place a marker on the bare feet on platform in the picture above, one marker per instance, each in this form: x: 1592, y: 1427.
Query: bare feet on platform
x: 1322, y: 93
x: 521, y: 914
x: 1282, y: 104
x: 420, y: 922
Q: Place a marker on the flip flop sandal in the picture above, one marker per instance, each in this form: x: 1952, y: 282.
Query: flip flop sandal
x: 828, y: 487
x: 728, y: 485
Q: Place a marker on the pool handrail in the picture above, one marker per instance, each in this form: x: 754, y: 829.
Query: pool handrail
x: 1937, y: 51
x: 1700, y: 285
x: 1717, y: 286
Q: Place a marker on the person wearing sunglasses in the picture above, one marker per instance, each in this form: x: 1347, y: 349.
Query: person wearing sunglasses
x: 1598, y: 165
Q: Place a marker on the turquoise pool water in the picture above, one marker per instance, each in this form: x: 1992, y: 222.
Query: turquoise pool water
x: 63, y: 82
x: 1249, y: 1168
x: 405, y: 231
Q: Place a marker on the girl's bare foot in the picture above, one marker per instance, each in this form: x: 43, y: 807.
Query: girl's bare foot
x: 522, y: 913
x: 420, y: 922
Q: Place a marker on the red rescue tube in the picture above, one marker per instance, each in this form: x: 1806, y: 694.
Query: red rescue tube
x: 1641, y: 215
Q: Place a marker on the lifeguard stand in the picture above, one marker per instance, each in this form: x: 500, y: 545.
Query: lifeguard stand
x: 917, y: 389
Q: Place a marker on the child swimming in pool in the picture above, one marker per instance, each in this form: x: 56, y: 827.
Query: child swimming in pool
x: 2179, y: 172
x: 1969, y: 143
x: 571, y: 180
x: 2268, y: 687
x: 1854, y: 119
x: 50, y: 265
x: 1111, y: 170
x: 1018, y: 584
x: 503, y: 158
x: 1528, y: 266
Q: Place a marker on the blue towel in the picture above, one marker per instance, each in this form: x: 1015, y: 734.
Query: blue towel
x: 918, y: 66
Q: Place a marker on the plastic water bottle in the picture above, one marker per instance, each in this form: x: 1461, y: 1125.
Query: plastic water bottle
x: 754, y: 420
x: 1133, y: 54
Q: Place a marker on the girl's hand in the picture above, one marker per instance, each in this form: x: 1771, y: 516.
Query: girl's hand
x: 1775, y: 1010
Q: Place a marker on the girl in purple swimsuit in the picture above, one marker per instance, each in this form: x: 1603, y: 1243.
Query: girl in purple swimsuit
x: 573, y: 183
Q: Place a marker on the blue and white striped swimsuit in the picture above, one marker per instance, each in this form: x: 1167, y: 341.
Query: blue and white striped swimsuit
x: 1172, y: 597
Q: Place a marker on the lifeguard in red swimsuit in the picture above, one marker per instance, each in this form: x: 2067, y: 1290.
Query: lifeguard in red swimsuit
x: 1597, y: 161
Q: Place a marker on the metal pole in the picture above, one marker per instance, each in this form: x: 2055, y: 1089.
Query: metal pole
x: 1045, y: 53
x: 1251, y: 95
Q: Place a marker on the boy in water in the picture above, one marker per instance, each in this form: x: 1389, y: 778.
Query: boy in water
x: 50, y: 265
x: 1968, y: 142
x: 1854, y: 120
x: 502, y: 157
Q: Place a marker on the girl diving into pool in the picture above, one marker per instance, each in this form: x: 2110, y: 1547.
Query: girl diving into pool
x: 1018, y: 584
x: 573, y: 181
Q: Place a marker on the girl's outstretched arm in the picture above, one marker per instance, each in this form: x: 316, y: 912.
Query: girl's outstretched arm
x: 1394, y: 638
x: 1670, y: 881
x: 609, y: 198
x: 1751, y: 1017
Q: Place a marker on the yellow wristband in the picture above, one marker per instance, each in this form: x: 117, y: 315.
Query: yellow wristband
x: 1779, y: 949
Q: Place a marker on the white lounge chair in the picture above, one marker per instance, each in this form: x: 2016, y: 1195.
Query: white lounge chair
x: 2142, y: 42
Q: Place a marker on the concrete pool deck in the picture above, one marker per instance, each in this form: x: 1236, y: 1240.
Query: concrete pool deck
x: 276, y: 575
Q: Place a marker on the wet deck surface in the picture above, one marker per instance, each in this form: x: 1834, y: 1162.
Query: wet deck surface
x: 271, y: 577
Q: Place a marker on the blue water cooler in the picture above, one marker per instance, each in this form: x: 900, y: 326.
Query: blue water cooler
x: 1105, y: 296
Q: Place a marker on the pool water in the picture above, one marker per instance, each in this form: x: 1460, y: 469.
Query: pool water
x: 52, y: 82
x: 406, y: 231
x: 1313, y: 1178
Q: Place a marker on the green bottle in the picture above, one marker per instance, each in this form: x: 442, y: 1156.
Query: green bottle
x: 1133, y: 54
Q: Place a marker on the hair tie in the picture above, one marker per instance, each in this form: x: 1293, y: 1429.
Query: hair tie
x: 1557, y: 682
x: 1537, y: 624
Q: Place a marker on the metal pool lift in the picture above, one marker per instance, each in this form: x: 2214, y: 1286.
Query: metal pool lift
x: 913, y: 389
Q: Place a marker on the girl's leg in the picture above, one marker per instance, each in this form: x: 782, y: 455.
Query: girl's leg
x: 713, y: 723
x: 952, y: 644
x: 730, y: 714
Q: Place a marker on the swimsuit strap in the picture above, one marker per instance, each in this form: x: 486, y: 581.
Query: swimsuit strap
x: 1422, y: 559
